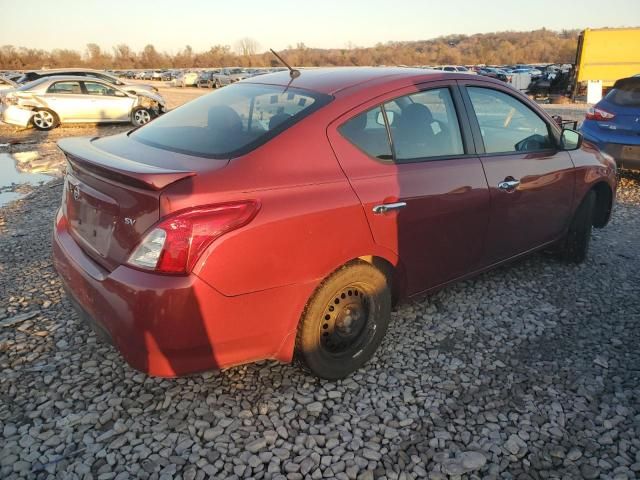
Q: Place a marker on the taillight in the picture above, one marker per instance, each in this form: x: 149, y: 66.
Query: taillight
x: 595, y: 113
x: 174, y: 245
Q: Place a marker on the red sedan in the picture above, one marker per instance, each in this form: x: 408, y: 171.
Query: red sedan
x: 283, y: 215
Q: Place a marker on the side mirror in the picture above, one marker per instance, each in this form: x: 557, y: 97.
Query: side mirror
x: 570, y: 140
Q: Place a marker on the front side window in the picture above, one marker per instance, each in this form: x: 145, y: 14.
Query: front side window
x: 506, y: 124
x: 230, y: 121
x: 65, y: 88
x: 94, y: 88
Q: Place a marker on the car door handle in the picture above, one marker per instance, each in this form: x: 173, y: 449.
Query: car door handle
x: 509, y: 184
x: 387, y: 207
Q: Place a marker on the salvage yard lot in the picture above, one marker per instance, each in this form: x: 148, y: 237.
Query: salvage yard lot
x: 529, y: 371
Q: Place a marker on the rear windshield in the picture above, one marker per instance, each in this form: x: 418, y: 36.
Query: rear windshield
x: 231, y: 121
x: 625, y: 93
x: 29, y: 85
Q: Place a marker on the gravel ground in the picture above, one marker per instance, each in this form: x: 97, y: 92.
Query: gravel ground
x: 530, y: 371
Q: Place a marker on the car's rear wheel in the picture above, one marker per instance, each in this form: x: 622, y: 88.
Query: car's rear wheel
x: 140, y: 116
x: 344, y: 322
x: 575, y: 245
x: 217, y: 84
x: 45, y: 119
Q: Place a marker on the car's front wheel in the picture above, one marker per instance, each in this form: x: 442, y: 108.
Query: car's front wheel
x: 344, y: 322
x: 140, y: 116
x: 45, y: 119
x: 575, y: 245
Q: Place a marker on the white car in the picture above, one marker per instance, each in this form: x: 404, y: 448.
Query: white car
x: 185, y: 79
x: 7, y: 85
x: 50, y: 101
x: 87, y: 72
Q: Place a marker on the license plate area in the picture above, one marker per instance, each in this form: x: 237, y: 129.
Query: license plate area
x: 630, y: 152
x: 91, y: 216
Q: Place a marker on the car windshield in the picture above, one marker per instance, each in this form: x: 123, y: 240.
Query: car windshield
x: 231, y: 121
x: 625, y: 93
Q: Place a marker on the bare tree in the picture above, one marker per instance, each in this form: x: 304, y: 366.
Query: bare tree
x: 123, y: 56
x: 490, y: 48
x: 247, y: 46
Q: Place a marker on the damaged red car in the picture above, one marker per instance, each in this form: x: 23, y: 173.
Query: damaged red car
x: 282, y: 216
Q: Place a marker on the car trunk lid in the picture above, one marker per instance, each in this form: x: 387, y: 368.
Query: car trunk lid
x: 112, y: 193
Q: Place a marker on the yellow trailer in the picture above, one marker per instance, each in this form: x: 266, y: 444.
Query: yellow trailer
x: 605, y: 55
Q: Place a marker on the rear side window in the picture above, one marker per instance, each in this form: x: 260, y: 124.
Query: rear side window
x: 424, y: 125
x: 506, y: 124
x: 626, y: 93
x: 65, y: 87
x: 368, y: 132
x: 231, y: 121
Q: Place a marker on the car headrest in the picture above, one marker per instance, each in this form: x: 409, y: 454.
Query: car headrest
x: 416, y: 115
x: 355, y: 125
x: 277, y: 119
x: 224, y: 119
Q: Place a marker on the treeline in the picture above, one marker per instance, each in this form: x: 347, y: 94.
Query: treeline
x: 538, y: 46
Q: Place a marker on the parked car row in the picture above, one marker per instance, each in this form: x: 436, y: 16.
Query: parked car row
x: 45, y: 99
x: 203, y: 78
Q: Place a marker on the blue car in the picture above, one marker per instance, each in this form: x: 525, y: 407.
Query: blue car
x: 614, y: 123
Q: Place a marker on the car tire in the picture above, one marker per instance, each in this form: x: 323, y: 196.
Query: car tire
x: 44, y: 119
x: 141, y: 116
x: 217, y: 84
x: 576, y: 242
x: 344, y: 321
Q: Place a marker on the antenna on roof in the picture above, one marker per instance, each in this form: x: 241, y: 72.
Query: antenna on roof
x: 293, y: 73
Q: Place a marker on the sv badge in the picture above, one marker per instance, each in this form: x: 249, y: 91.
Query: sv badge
x: 129, y: 221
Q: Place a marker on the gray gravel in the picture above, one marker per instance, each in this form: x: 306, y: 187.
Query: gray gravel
x: 530, y: 371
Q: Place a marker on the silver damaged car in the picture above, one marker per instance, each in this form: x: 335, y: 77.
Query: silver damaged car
x: 50, y: 101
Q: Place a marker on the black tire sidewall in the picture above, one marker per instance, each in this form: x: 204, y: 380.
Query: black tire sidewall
x: 308, y: 350
x: 579, y: 235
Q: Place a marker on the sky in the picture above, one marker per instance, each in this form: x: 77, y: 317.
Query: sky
x: 171, y: 24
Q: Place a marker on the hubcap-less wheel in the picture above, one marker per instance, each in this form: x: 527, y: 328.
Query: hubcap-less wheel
x: 140, y: 117
x: 43, y: 119
x: 344, y: 320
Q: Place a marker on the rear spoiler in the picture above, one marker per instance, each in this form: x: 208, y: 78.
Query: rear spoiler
x: 82, y: 154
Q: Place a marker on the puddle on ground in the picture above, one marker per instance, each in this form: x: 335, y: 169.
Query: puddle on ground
x: 24, y: 168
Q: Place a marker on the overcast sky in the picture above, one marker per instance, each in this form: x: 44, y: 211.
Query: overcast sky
x: 172, y: 24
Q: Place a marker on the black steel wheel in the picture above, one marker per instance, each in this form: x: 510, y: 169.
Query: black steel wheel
x: 344, y: 321
x: 345, y: 318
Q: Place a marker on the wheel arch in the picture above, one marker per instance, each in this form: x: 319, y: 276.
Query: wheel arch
x: 604, y: 203
x: 388, y: 265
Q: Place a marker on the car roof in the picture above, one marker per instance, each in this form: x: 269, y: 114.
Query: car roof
x: 82, y: 78
x: 334, y: 79
x: 58, y: 70
x: 61, y: 78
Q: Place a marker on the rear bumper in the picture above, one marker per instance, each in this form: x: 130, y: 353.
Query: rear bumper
x: 613, y: 144
x: 175, y: 325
